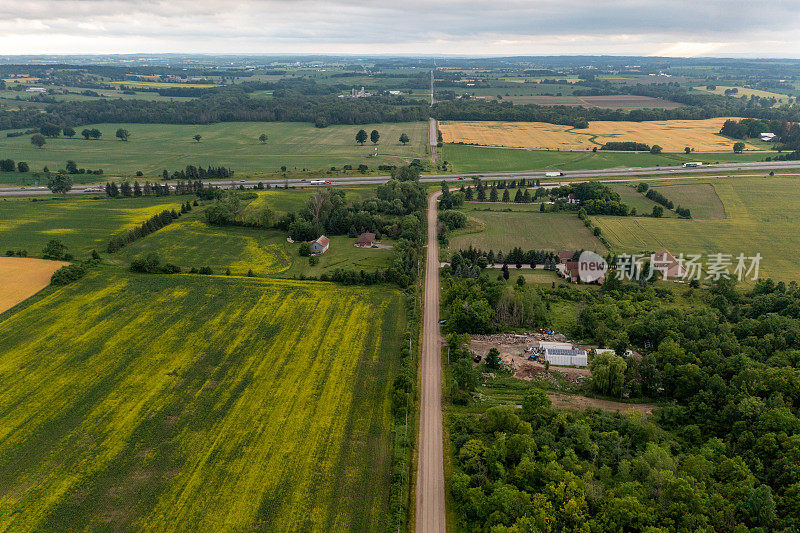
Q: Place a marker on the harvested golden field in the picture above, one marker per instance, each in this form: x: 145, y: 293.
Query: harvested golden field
x: 671, y: 135
x: 744, y: 91
x: 22, y: 277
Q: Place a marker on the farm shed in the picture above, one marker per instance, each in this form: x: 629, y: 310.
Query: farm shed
x: 320, y: 246
x: 544, y: 345
x: 365, y: 240
x: 566, y: 357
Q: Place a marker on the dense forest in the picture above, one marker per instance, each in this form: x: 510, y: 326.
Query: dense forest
x: 722, y: 453
x: 233, y: 104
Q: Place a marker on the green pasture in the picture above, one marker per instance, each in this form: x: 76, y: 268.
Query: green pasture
x: 154, y: 147
x: 761, y: 216
x: 465, y: 158
x: 634, y: 199
x: 190, y: 242
x: 82, y: 223
x: 701, y: 199
x: 530, y: 230
x: 192, y: 403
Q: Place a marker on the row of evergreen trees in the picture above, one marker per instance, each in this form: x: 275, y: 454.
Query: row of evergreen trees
x: 517, y: 256
x: 151, y: 225
x: 195, y: 173
x: 125, y: 189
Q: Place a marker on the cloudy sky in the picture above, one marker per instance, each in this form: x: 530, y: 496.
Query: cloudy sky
x: 462, y: 27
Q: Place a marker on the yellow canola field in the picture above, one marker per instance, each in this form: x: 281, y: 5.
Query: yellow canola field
x: 671, y: 135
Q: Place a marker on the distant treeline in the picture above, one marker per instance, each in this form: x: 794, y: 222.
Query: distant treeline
x: 695, y: 106
x: 231, y: 105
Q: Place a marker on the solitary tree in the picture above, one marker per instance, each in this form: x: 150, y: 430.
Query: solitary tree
x: 262, y: 138
x: 60, y: 183
x: 22, y: 166
x: 738, y: 148
x: 493, y: 359
x: 687, y: 150
x: 69, y: 132
x: 86, y: 133
x: 197, y: 137
x: 361, y: 137
x: 404, y: 139
x: 655, y: 149
x: 38, y: 140
x: 122, y: 134
x: 374, y: 136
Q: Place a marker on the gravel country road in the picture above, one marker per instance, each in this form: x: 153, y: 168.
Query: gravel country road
x: 430, y: 510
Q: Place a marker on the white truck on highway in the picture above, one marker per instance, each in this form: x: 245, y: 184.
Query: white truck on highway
x: 553, y: 174
x: 693, y: 164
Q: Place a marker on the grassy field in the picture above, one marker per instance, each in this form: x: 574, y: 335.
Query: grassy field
x: 465, y: 158
x: 720, y: 89
x: 154, y: 147
x: 22, y: 277
x: 166, y: 403
x: 761, y: 217
x: 526, y: 228
x: 634, y: 199
x: 700, y: 198
x: 81, y: 223
x: 671, y: 135
x: 190, y: 242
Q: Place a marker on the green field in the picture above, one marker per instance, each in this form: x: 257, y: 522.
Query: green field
x: 82, y: 223
x: 190, y: 242
x: 465, y: 158
x: 634, y: 199
x: 701, y: 199
x: 165, y: 403
x: 760, y: 217
x: 528, y: 229
x: 154, y: 147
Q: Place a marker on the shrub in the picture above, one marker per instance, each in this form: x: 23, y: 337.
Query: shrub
x: 67, y: 274
x: 55, y: 249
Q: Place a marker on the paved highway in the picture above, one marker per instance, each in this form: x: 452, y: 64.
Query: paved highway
x: 567, y: 176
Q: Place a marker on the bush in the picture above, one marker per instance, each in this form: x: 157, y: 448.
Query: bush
x: 305, y: 249
x: 453, y: 219
x: 55, y: 249
x: 313, y: 260
x: 149, y: 264
x: 67, y: 274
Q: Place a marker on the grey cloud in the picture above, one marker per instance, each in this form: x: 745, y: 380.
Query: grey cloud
x: 285, y: 25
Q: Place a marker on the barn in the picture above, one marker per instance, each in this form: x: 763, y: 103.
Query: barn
x: 320, y: 246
